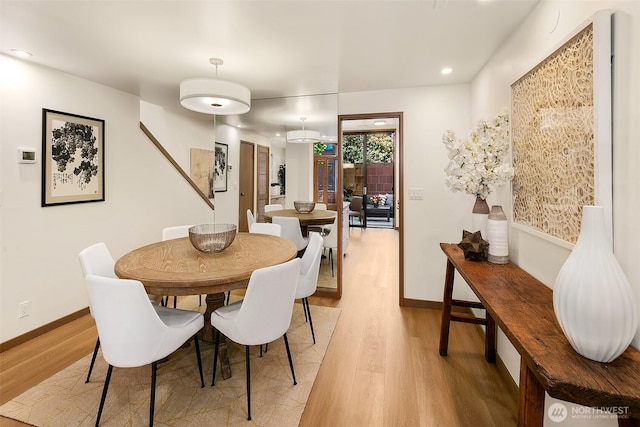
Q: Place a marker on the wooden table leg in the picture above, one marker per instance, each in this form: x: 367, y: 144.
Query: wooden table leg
x: 215, y: 301
x: 490, y: 339
x: 530, y: 399
x: 447, y: 302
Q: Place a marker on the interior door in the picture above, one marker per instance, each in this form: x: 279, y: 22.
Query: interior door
x: 325, y: 179
x: 247, y: 155
x: 263, y: 182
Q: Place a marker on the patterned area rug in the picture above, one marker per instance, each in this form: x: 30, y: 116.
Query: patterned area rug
x: 65, y: 399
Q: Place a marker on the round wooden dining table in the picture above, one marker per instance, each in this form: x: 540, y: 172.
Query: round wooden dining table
x: 175, y: 267
x: 315, y: 217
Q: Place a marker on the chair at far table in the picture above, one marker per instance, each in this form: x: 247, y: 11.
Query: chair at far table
x: 177, y: 232
x: 250, y: 219
x: 273, y: 207
x: 97, y: 260
x: 320, y: 228
x: 308, y: 279
x: 330, y: 241
x: 263, y: 316
x: 266, y: 228
x: 291, y: 231
x: 133, y: 333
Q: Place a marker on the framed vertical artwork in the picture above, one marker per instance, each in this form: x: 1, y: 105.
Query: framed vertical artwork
x: 220, y: 167
x: 202, y: 171
x: 561, y: 135
x: 72, y: 158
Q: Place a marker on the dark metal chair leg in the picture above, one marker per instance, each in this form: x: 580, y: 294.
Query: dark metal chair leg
x: 93, y: 359
x: 248, y: 361
x: 215, y: 357
x: 331, y: 260
x: 310, y: 320
x: 304, y: 308
x: 152, y: 403
x: 175, y: 302
x: 195, y: 340
x: 293, y: 374
x: 104, y: 394
x: 228, y: 297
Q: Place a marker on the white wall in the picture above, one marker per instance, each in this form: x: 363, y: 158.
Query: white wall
x: 537, y: 37
x: 441, y: 215
x: 39, y: 246
x: 299, y: 173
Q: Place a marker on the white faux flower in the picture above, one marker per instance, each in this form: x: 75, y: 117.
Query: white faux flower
x: 478, y: 161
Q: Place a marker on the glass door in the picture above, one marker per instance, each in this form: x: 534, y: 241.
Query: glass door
x: 325, y: 179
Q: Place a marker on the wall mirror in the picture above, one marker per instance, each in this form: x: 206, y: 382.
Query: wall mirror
x: 299, y: 171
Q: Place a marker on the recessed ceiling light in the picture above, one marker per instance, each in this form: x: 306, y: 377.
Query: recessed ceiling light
x: 21, y: 53
x: 446, y: 70
x: 379, y: 122
x: 278, y: 134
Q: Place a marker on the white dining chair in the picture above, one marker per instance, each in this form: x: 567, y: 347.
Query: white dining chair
x: 263, y: 316
x: 176, y: 232
x: 330, y: 241
x: 132, y: 333
x: 291, y: 231
x: 266, y: 228
x: 318, y: 227
x: 97, y: 260
x: 250, y: 219
x: 308, y: 278
x: 273, y: 207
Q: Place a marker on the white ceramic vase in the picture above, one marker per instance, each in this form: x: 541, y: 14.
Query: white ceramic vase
x: 498, y: 236
x: 479, y: 216
x: 592, y: 297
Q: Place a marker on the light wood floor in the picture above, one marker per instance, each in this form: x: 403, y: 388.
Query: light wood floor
x: 382, y: 366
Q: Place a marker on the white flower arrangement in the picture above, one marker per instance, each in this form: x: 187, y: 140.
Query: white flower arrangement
x: 479, y: 161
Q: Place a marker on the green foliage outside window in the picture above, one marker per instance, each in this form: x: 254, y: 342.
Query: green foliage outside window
x: 379, y: 148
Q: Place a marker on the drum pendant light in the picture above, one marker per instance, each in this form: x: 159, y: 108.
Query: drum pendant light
x: 214, y: 96
x: 303, y: 136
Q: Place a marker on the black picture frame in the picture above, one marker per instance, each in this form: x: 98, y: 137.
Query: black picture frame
x: 72, y: 158
x: 220, y: 167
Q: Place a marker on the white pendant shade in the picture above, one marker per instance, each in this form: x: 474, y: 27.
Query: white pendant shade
x: 214, y: 96
x: 303, y: 136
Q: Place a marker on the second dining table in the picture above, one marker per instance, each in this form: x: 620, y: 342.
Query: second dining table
x: 315, y: 217
x: 175, y: 267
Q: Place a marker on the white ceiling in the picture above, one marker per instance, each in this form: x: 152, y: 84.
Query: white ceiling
x: 284, y: 51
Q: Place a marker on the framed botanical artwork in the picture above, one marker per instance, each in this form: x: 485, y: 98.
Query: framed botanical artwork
x: 220, y: 167
x: 72, y: 158
x: 202, y: 170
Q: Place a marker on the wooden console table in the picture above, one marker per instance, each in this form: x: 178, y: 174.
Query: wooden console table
x: 523, y: 308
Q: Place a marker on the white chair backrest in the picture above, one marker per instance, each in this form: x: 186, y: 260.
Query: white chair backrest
x: 321, y: 206
x: 130, y: 331
x: 291, y: 230
x: 266, y: 228
x: 97, y: 260
x: 176, y: 232
x: 331, y: 239
x: 310, y: 266
x: 273, y: 207
x: 265, y: 314
x: 250, y: 219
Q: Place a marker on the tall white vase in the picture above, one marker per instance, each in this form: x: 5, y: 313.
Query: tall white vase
x: 592, y: 297
x: 498, y: 236
x: 479, y: 216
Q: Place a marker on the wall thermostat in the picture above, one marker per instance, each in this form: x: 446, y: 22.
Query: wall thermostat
x: 26, y: 155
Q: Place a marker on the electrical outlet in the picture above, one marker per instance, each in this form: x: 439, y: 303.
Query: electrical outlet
x: 24, y: 309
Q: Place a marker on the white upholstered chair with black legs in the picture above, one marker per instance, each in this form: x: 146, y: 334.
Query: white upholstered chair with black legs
x: 273, y: 207
x: 132, y: 333
x: 97, y: 260
x: 291, y: 231
x: 250, y: 219
x: 264, y: 314
x: 330, y: 241
x: 308, y: 278
x: 266, y: 228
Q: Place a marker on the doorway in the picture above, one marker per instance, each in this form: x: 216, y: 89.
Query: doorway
x: 378, y: 123
x: 246, y: 189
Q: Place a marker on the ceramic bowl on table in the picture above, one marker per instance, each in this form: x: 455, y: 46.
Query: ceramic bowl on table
x: 212, y: 238
x: 304, y: 207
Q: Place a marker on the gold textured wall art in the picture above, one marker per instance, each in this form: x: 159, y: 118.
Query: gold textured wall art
x: 553, y: 136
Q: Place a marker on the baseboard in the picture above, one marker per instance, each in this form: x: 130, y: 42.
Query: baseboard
x: 21, y: 339
x: 419, y: 303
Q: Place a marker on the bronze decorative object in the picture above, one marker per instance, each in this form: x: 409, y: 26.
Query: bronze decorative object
x: 475, y: 248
